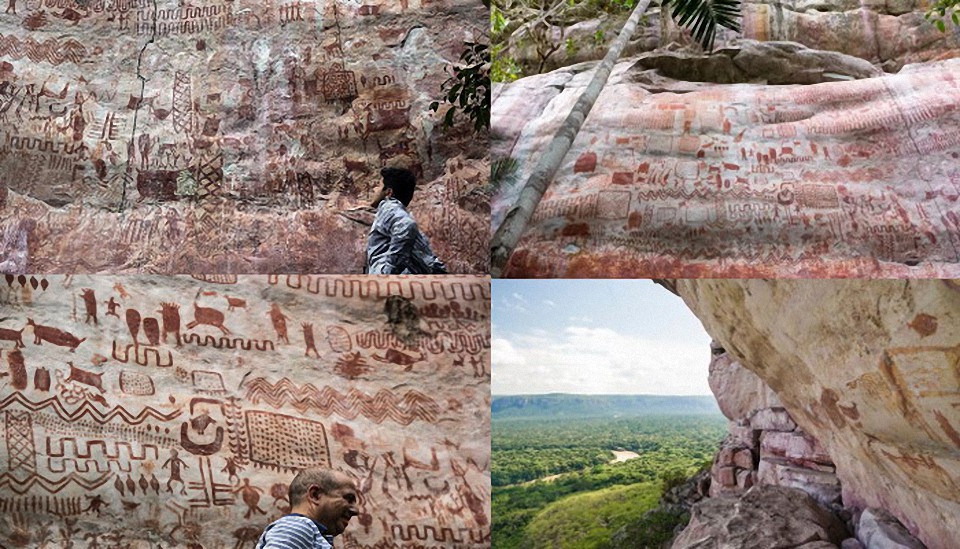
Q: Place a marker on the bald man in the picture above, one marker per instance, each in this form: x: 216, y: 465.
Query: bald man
x: 322, y: 502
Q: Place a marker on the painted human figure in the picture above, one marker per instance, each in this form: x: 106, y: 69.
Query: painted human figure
x: 231, y: 469
x: 112, y: 305
x: 279, y: 323
x: 175, y: 463
x: 251, y: 497
x: 96, y: 502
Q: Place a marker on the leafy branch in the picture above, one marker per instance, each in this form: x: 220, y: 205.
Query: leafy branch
x: 702, y: 17
x: 468, y: 90
x: 938, y: 14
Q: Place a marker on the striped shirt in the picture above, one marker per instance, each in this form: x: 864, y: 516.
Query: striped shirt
x: 293, y: 532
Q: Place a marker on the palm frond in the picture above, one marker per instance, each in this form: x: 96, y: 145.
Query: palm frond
x: 702, y: 17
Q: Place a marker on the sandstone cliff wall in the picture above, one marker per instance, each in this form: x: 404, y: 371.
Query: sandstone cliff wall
x: 867, y: 369
x: 228, y: 136
x: 672, y: 179
x: 145, y: 412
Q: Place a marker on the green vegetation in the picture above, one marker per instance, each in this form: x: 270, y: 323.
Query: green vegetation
x: 942, y: 11
x: 702, y: 17
x: 592, y: 499
x: 586, y: 520
x: 468, y: 90
x: 526, y: 34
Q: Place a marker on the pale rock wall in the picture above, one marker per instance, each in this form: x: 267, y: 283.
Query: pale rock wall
x: 869, y: 370
x: 765, y: 446
x: 174, y: 411
x: 228, y: 136
x: 853, y: 178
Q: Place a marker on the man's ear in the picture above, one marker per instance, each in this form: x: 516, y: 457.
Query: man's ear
x: 387, y: 192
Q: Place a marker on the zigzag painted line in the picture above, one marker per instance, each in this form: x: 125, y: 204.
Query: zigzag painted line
x: 88, y: 409
x: 413, y: 405
x: 21, y: 487
x: 51, y: 50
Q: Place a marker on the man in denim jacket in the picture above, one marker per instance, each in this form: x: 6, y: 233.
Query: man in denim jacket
x: 395, y: 244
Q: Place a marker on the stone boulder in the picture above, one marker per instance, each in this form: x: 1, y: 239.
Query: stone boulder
x: 763, y: 517
x: 868, y: 369
x: 877, y: 529
x: 839, y: 179
x: 759, y: 62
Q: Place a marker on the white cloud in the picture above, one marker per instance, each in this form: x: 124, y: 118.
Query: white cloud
x: 549, y: 303
x: 595, y: 360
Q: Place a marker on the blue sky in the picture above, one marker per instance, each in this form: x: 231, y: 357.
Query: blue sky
x: 595, y: 337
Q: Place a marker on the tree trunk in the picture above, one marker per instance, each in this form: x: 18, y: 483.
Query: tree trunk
x: 509, y: 233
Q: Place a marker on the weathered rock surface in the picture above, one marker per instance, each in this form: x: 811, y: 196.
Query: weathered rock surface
x: 889, y: 34
x: 878, y: 530
x: 764, y: 446
x: 868, y: 369
x: 229, y: 136
x: 764, y: 517
x: 740, y: 393
x: 759, y: 62
x: 141, y: 412
x: 853, y: 178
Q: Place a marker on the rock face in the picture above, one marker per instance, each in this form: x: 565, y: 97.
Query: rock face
x: 887, y: 34
x: 228, y: 136
x: 764, y: 517
x: 854, y: 178
x: 140, y: 412
x: 879, y: 530
x: 767, y: 62
x: 868, y: 369
x: 765, y: 446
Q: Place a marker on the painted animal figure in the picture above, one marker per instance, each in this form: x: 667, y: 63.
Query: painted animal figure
x: 234, y: 303
x: 394, y: 356
x: 205, y: 315
x: 87, y: 378
x: 16, y: 336
x: 171, y: 320
x: 90, y: 303
x: 53, y: 335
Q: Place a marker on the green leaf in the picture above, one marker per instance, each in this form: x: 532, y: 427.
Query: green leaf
x: 702, y: 17
x: 940, y: 25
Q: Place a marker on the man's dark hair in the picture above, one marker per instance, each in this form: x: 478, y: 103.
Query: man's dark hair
x: 324, y: 478
x: 402, y: 181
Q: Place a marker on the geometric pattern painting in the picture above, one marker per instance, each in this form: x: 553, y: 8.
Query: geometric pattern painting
x: 153, y: 411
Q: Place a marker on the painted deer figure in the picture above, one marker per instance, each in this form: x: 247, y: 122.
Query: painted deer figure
x: 205, y: 315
